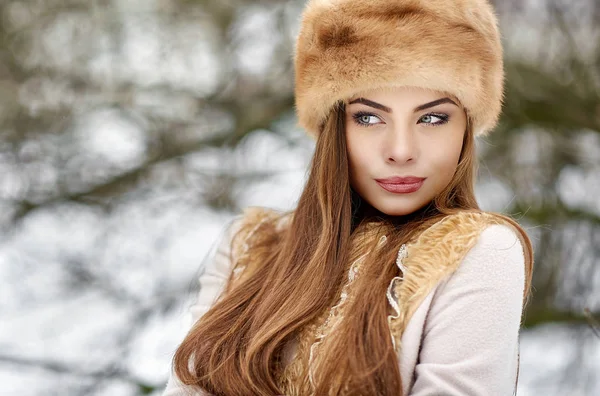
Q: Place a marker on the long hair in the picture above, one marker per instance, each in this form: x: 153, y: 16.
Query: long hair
x: 236, y: 347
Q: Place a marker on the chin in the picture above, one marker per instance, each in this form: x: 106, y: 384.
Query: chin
x: 396, y: 212
x: 394, y: 208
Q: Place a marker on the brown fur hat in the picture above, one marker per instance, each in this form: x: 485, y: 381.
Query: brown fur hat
x: 349, y: 46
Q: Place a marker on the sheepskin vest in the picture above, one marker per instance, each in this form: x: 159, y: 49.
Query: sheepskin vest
x: 422, y: 263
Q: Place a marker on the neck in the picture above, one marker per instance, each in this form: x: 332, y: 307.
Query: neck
x: 362, y: 211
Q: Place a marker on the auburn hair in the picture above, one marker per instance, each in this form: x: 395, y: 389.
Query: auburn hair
x: 292, y: 275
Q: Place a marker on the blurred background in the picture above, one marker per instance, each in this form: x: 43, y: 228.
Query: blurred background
x: 132, y: 131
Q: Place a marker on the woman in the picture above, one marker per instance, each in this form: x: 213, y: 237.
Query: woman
x: 387, y: 278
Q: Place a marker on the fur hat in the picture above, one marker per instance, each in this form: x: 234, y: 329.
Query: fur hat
x: 349, y: 46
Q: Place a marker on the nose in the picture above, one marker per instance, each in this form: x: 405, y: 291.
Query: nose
x: 400, y: 145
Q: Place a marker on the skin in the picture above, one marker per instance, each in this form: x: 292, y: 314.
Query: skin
x: 402, y: 141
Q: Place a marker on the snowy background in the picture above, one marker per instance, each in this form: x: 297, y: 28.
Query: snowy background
x: 132, y: 131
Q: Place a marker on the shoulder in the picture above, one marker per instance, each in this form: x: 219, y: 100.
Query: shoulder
x: 496, y: 240
x: 498, y: 247
x: 495, y: 262
x: 484, y: 229
x: 252, y: 235
x: 489, y: 279
x: 464, y: 247
x: 501, y: 242
x: 255, y: 221
x: 501, y: 237
x: 254, y: 216
x: 446, y: 242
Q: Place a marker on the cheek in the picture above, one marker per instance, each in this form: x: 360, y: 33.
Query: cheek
x: 354, y: 166
x: 361, y: 154
x: 445, y: 156
x: 357, y: 153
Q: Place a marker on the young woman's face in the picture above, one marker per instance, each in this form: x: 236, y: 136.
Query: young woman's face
x: 403, y: 146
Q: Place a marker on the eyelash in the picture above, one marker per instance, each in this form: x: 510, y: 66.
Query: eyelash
x: 356, y: 117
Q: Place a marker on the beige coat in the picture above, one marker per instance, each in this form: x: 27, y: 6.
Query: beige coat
x: 458, y: 308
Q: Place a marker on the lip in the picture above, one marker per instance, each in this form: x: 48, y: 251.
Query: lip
x: 401, y: 185
x: 400, y: 180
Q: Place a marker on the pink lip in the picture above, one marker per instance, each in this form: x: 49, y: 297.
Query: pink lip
x: 401, y: 185
x: 401, y: 180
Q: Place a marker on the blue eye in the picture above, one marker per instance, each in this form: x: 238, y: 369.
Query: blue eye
x: 427, y: 119
x: 364, y: 119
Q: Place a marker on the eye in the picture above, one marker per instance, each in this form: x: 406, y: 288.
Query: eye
x: 365, y: 119
x: 431, y: 117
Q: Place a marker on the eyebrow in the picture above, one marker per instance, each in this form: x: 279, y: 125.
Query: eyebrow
x: 389, y: 110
